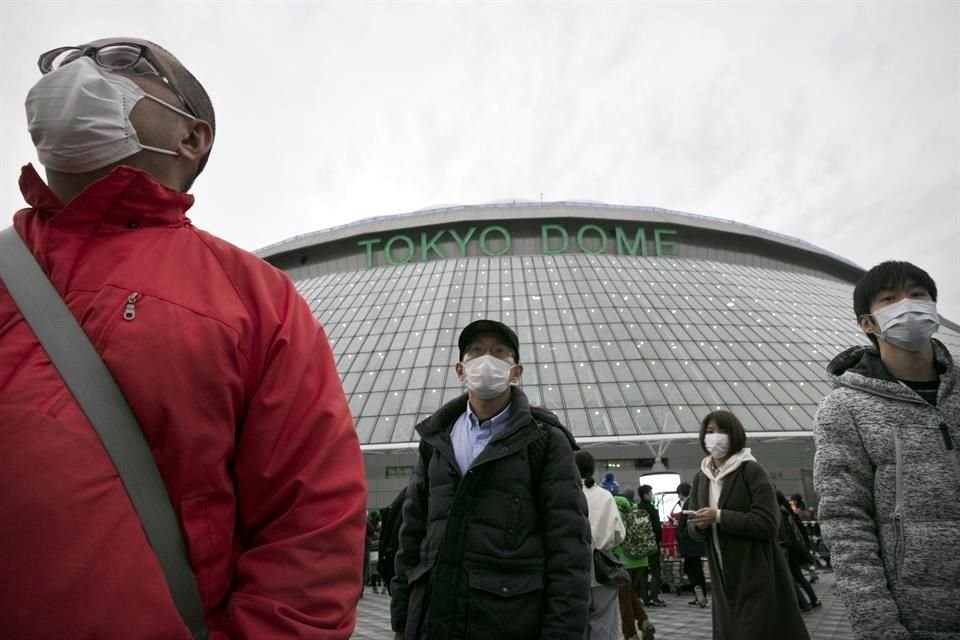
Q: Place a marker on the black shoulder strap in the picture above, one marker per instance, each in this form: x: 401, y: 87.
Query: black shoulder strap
x: 538, y: 452
x: 106, y: 408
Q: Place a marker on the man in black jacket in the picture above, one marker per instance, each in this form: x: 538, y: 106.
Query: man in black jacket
x: 495, y: 540
x: 650, y: 578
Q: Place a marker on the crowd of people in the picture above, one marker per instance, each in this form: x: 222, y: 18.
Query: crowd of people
x: 244, y: 439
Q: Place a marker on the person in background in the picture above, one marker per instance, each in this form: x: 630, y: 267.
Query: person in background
x: 800, y: 508
x: 495, y: 541
x: 807, y: 520
x: 737, y: 517
x: 651, y: 578
x: 610, y: 483
x: 391, y: 518
x: 691, y: 550
x: 230, y: 377
x: 797, y: 553
x: 632, y: 613
x: 607, y: 531
x: 886, y: 467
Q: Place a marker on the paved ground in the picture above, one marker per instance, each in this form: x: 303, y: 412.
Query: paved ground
x: 677, y: 621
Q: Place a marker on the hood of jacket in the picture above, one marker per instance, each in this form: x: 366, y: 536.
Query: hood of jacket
x: 861, y: 368
x: 623, y: 504
x: 730, y: 465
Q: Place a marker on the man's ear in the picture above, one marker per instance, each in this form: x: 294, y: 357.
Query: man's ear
x: 868, y: 324
x: 460, y: 371
x: 197, y: 141
x: 517, y: 372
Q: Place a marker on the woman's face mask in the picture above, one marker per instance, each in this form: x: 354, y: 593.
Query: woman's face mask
x: 718, y: 444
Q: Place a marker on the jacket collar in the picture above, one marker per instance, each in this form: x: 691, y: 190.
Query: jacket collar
x: 435, y: 430
x: 126, y: 197
x: 861, y: 368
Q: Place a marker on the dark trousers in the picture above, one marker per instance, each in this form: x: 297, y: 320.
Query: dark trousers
x: 801, y: 580
x: 693, y: 567
x: 632, y: 613
x: 650, y: 578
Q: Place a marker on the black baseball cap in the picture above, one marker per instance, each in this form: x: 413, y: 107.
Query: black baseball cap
x: 477, y: 327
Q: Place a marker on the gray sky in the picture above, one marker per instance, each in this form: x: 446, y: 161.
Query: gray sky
x: 837, y: 123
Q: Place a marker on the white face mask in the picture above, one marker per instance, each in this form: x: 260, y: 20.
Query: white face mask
x: 79, y: 117
x: 718, y: 444
x: 486, y: 377
x: 908, y: 324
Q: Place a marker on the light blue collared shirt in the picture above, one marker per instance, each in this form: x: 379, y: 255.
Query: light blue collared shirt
x: 470, y: 436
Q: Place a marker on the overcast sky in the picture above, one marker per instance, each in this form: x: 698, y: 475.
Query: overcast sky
x: 837, y: 123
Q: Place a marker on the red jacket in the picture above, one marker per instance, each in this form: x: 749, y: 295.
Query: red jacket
x: 234, y: 385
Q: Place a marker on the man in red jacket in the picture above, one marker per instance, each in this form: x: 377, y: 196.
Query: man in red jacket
x: 229, y: 375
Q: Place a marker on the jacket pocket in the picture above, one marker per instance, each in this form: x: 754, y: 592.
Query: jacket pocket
x: 506, y: 585
x: 505, y: 605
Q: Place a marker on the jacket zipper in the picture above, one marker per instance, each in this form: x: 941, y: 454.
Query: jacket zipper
x: 899, y: 549
x: 130, y: 311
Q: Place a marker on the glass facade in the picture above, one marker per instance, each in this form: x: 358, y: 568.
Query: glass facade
x: 614, y: 345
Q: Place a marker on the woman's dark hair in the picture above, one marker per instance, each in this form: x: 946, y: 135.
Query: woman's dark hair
x: 728, y: 424
x: 798, y: 500
x: 683, y: 489
x: 586, y: 467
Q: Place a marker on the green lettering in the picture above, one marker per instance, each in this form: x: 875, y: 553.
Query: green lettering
x: 664, y: 248
x: 603, y: 238
x: 426, y: 247
x: 462, y: 243
x: 545, y: 238
x: 639, y: 241
x: 369, y: 245
x: 501, y: 231
x: 388, y: 250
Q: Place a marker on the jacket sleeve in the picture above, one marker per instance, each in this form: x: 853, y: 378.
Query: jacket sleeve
x: 412, y: 530
x: 567, y: 547
x: 655, y: 521
x: 301, y: 490
x: 843, y: 477
x: 700, y: 535
x: 762, y: 521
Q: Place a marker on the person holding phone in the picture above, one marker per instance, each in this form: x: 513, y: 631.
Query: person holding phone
x: 736, y: 516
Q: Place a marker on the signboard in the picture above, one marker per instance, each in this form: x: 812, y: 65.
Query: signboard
x: 494, y: 240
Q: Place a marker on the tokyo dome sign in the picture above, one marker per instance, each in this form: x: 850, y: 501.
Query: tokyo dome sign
x: 494, y: 240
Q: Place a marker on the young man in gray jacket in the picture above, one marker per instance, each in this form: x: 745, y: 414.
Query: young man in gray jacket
x: 887, y: 468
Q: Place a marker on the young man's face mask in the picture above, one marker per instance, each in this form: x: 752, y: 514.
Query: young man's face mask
x: 79, y: 117
x: 908, y: 324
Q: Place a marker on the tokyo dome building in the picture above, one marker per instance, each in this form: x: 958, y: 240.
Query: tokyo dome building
x: 634, y: 322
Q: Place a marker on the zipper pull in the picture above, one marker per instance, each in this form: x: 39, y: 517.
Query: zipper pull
x: 129, y: 312
x: 947, y: 440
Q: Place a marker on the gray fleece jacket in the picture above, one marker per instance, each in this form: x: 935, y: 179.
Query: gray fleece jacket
x: 887, y: 471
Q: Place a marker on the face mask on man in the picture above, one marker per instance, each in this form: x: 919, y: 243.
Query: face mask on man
x: 79, y: 117
x: 908, y: 324
x: 717, y: 444
x: 486, y: 377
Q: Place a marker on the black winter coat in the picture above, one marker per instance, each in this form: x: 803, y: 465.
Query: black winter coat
x: 503, y: 551
x: 753, y: 594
